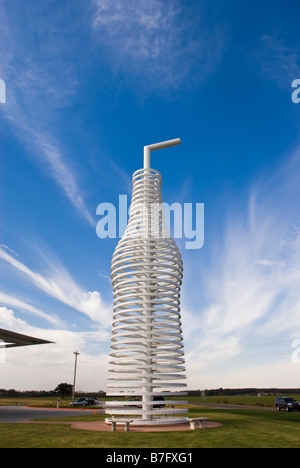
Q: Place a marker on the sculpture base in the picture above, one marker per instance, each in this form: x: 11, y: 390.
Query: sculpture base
x: 154, y: 422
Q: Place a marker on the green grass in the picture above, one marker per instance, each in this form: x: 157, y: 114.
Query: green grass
x: 241, y: 429
x: 248, y: 400
x: 245, y: 400
x: 50, y: 402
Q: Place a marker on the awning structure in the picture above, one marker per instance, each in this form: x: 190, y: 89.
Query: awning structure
x: 12, y: 339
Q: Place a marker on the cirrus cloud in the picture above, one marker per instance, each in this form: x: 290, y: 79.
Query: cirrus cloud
x: 160, y: 42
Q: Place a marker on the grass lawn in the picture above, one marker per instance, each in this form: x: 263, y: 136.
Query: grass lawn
x: 241, y: 429
x: 50, y: 402
x: 245, y: 400
x: 248, y: 400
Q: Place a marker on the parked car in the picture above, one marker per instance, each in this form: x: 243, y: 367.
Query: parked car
x: 93, y: 401
x: 135, y: 399
x: 161, y: 399
x: 80, y: 402
x: 287, y: 404
x: 84, y: 402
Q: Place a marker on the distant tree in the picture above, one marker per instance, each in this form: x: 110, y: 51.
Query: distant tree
x: 64, y: 389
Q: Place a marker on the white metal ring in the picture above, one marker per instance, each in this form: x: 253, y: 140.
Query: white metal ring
x: 146, y: 345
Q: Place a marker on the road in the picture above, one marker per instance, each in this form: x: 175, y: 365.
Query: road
x: 14, y: 414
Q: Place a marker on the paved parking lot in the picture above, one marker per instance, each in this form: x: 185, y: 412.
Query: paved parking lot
x: 14, y: 414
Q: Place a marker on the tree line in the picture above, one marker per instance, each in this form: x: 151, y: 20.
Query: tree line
x: 63, y: 390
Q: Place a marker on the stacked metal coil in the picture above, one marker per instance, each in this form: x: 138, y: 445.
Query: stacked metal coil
x: 147, y: 347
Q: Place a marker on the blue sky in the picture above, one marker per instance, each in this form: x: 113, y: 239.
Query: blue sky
x: 88, y: 84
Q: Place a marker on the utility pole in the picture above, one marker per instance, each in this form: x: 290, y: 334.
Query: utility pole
x: 73, y: 392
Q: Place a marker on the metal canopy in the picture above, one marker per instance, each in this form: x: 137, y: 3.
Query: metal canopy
x: 12, y: 339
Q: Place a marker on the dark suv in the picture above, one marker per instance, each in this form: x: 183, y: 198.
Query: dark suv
x: 287, y: 404
x: 161, y: 401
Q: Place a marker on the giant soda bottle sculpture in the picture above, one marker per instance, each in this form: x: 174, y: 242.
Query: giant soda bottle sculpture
x: 147, y: 358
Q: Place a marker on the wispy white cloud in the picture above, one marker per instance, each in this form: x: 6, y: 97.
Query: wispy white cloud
x: 251, y: 285
x: 37, y: 86
x: 59, y: 284
x: 277, y: 60
x: 62, y: 174
x: 48, y: 155
x: 53, y: 363
x: 12, y: 301
x: 8, y: 319
x: 158, y: 41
